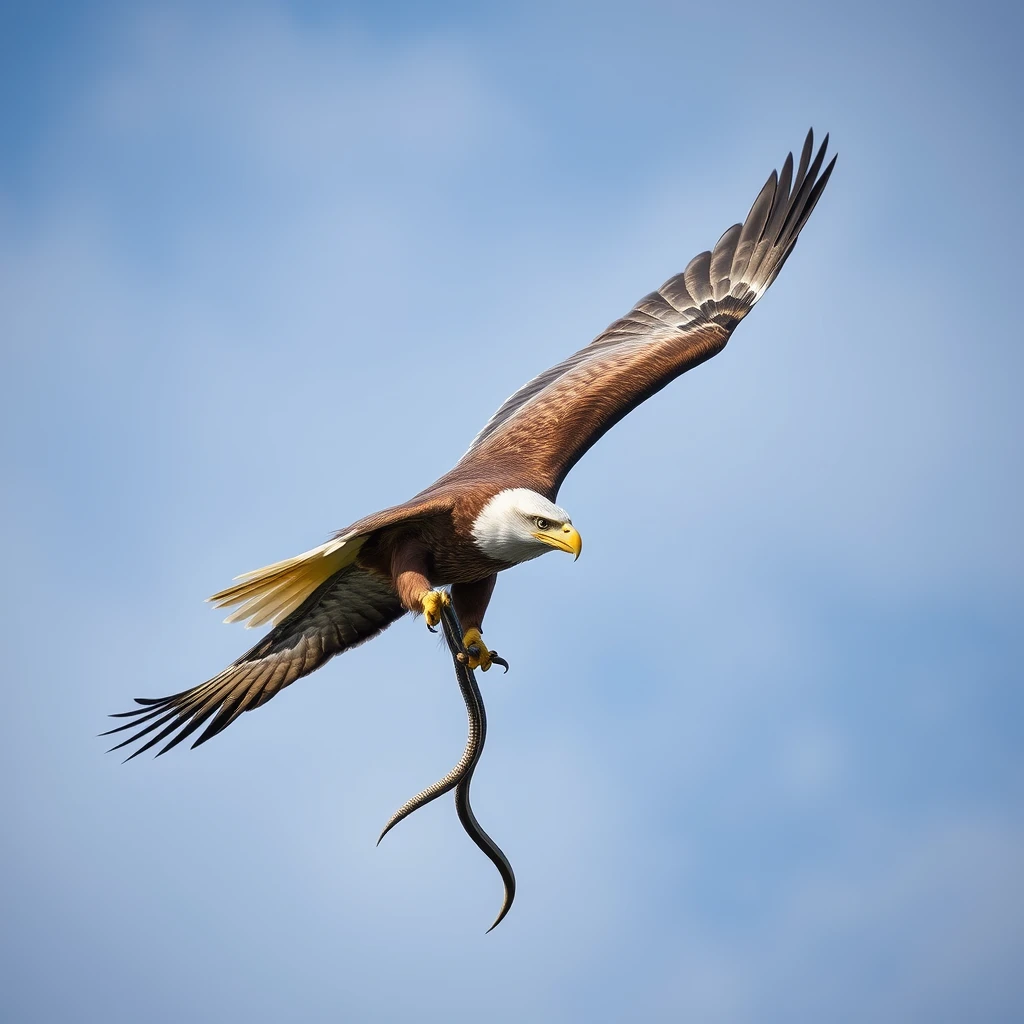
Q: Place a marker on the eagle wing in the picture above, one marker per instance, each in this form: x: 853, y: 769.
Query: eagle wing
x: 349, y: 608
x: 322, y: 602
x: 544, y: 429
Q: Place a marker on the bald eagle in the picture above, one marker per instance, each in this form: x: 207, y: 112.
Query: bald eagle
x: 497, y: 506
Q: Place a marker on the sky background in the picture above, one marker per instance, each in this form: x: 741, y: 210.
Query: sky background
x: 267, y: 268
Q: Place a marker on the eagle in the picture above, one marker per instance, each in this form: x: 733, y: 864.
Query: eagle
x: 497, y: 506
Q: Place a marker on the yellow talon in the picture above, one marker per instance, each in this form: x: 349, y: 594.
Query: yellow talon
x: 485, y: 658
x: 433, y: 602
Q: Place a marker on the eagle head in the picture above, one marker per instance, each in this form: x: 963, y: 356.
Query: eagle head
x: 518, y: 524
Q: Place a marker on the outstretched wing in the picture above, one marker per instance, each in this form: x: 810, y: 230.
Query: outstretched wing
x: 347, y: 609
x: 543, y: 430
x: 322, y: 601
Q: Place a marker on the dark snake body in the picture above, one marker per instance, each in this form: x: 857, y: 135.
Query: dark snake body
x: 460, y: 777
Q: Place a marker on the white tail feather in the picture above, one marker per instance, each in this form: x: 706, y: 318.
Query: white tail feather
x: 269, y: 603
x: 270, y: 594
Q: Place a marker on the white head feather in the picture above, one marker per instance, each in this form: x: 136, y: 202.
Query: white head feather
x: 505, y: 528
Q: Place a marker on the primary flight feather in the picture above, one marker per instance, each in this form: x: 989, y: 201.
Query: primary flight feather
x: 496, y: 507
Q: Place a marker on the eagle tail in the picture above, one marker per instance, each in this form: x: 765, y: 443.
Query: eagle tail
x: 271, y: 594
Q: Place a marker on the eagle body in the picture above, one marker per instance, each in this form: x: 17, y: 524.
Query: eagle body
x: 496, y: 507
x: 466, y: 533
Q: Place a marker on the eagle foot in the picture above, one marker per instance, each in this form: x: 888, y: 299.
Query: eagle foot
x: 476, y: 654
x: 433, y: 601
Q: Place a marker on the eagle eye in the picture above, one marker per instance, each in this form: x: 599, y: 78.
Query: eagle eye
x: 542, y: 523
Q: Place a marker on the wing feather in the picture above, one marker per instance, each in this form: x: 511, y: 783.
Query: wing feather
x: 721, y: 262
x: 698, y: 278
x: 677, y: 295
x: 347, y: 609
x: 753, y: 227
x: 780, y: 205
x: 542, y: 430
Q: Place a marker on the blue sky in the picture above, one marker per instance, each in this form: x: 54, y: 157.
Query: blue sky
x: 267, y: 268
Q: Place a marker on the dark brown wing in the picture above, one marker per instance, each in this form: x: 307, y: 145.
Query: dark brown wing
x: 543, y: 430
x: 351, y: 607
x: 323, y: 603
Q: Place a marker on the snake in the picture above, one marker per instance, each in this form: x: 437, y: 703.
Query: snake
x: 461, y: 776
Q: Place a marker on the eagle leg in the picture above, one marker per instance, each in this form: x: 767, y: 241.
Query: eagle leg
x: 476, y: 653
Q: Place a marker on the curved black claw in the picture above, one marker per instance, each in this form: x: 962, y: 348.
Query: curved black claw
x: 431, y: 629
x: 473, y: 651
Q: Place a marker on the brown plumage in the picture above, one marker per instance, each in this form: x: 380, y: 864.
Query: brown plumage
x: 495, y: 508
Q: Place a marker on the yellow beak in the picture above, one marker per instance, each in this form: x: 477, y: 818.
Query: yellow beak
x: 564, y: 538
